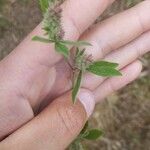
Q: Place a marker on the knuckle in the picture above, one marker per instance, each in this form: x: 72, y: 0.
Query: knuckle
x: 71, y: 118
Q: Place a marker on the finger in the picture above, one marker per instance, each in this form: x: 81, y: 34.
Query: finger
x: 131, y: 52
x: 56, y: 127
x: 130, y: 73
x: 123, y: 56
x: 118, y: 30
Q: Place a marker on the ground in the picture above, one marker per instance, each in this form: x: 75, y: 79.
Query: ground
x: 125, y: 115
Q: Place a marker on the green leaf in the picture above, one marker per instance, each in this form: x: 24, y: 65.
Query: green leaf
x: 105, y: 69
x: 41, y: 39
x: 62, y: 49
x: 93, y: 134
x: 77, y: 44
x: 76, y: 87
x: 105, y: 64
x: 44, y: 4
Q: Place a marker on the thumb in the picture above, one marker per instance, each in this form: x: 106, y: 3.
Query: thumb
x: 55, y: 127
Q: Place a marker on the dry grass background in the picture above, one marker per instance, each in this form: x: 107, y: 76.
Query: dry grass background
x: 125, y: 115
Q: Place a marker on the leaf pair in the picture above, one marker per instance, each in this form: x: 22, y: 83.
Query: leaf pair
x: 100, y: 68
x: 90, y: 134
x: 85, y: 134
x: 61, y: 46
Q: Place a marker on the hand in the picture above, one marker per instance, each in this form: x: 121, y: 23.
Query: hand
x: 34, y: 74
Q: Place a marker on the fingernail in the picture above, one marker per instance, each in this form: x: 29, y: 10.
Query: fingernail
x: 86, y: 97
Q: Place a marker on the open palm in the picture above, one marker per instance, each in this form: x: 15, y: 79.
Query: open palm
x: 34, y: 74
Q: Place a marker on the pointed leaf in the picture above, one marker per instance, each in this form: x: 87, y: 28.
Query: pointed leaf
x: 62, y: 49
x: 105, y: 63
x: 105, y: 69
x: 93, y: 134
x: 77, y: 44
x: 76, y: 87
x: 41, y: 39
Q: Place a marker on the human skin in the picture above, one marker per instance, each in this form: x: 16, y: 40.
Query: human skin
x: 34, y: 75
